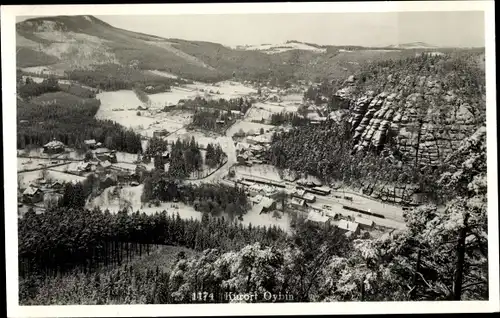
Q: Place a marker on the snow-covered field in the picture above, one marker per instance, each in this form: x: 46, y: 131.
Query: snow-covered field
x: 226, y: 90
x: 165, y: 74
x: 25, y: 178
x: 40, y: 69
x: 201, y: 137
x: 28, y: 164
x: 38, y: 152
x: 125, y: 157
x: 172, y: 97
x: 264, y: 110
x: 260, y: 171
x: 266, y: 219
x: 247, y: 127
x: 131, y: 197
x: 292, y: 98
x: 281, y: 47
x: 123, y: 100
x: 34, y: 78
x: 115, y: 106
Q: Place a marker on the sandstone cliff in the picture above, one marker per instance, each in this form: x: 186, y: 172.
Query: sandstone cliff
x: 426, y: 106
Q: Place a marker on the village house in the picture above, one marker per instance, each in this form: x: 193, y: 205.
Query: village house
x: 241, y: 147
x: 364, y: 223
x: 256, y: 148
x: 91, y: 143
x: 316, y: 217
x: 103, y: 166
x: 266, y: 205
x: 32, y: 195
x: 236, y: 113
x: 309, y: 182
x: 53, y: 147
x: 299, y: 193
x: 56, y: 185
x: 350, y: 228
x: 303, y: 194
x: 111, y: 157
x: 297, y: 202
x: 256, y: 199
x: 84, y: 166
x: 260, y: 140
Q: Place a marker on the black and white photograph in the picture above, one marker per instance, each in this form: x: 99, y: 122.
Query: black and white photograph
x: 199, y: 155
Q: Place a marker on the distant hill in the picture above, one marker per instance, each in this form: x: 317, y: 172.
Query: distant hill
x: 67, y: 43
x: 413, y: 45
x: 283, y: 47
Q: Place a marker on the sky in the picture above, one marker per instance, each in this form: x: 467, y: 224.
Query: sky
x: 445, y: 29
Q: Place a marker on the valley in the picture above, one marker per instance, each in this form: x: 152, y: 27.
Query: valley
x: 321, y: 157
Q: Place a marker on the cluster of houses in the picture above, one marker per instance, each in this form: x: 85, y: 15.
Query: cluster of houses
x: 44, y: 193
x: 56, y: 146
x: 351, y: 227
x: 253, y: 150
x: 40, y: 191
x: 248, y: 154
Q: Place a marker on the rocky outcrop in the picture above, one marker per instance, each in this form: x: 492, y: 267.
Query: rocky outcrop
x: 424, y: 121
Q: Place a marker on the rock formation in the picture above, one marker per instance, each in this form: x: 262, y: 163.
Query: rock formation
x: 426, y: 124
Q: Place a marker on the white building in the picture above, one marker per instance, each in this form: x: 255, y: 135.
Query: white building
x: 317, y: 217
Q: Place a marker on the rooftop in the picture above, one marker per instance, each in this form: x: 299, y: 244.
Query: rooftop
x: 54, y: 144
x: 297, y: 201
x: 105, y: 164
x: 316, y: 217
x: 349, y: 226
x: 31, y: 190
x: 256, y: 199
x: 309, y: 196
x: 363, y: 221
x: 266, y: 202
